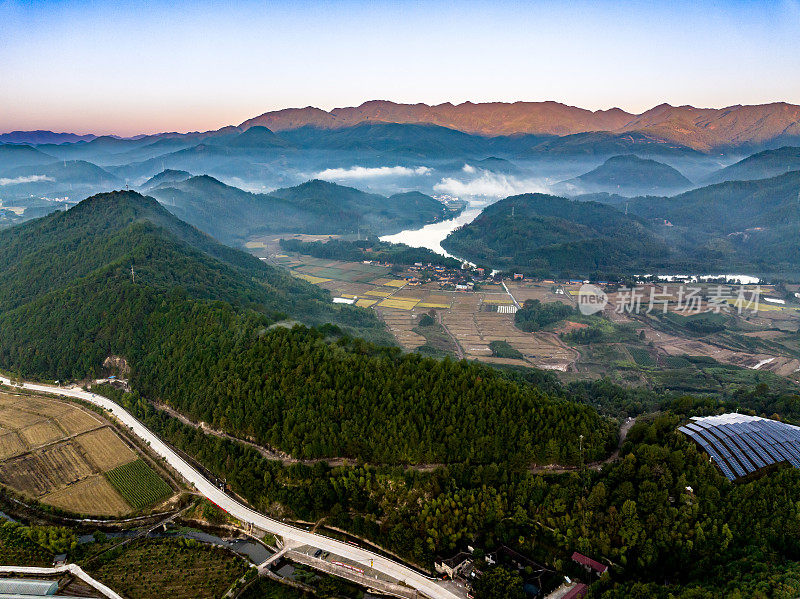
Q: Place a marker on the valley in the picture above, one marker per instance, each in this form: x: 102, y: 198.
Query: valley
x: 359, y: 348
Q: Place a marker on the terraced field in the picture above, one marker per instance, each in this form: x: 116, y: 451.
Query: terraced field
x: 58, y: 453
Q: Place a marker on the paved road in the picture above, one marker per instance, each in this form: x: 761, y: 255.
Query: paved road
x: 427, y: 586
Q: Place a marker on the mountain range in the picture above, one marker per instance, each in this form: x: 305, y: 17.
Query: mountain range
x: 702, y: 129
x: 232, y: 215
x: 708, y: 130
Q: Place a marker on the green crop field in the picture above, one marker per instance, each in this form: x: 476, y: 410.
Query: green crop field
x: 138, y: 484
x: 641, y: 356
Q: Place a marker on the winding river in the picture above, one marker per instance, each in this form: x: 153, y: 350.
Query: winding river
x: 431, y: 236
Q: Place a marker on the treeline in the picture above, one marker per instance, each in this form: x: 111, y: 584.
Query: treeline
x: 316, y: 393
x: 534, y: 315
x: 368, y: 249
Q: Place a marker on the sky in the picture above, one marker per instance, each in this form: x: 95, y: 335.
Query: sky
x: 144, y: 67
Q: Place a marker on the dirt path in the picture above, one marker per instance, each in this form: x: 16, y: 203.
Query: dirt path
x: 459, y: 350
x: 275, y: 454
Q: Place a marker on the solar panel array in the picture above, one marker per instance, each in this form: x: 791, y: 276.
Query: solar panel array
x: 741, y: 445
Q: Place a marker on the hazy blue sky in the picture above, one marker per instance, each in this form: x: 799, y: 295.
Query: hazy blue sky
x: 129, y: 67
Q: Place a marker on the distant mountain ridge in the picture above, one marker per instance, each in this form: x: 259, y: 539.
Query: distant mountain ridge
x: 744, y: 127
x: 702, y: 129
x: 762, y: 165
x: 232, y: 215
x: 43, y: 137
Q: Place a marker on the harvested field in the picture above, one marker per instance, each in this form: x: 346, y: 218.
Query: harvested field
x: 76, y: 421
x: 11, y: 445
x: 56, y: 452
x: 93, y: 495
x: 41, y: 433
x: 35, y: 474
x: 17, y: 419
x: 105, y: 449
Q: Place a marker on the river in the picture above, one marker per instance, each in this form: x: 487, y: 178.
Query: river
x: 431, y: 236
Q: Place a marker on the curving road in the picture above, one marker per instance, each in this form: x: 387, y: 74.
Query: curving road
x: 427, y: 586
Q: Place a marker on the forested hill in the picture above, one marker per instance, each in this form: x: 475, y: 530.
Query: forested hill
x: 101, y: 238
x: 543, y: 234
x: 196, y: 322
x: 628, y: 175
x: 319, y: 207
x: 738, y: 226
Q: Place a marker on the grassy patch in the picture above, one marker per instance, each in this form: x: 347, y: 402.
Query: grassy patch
x: 138, y: 484
x: 437, y: 342
x: 502, y: 349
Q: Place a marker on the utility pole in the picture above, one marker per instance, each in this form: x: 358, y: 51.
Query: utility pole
x: 583, y: 465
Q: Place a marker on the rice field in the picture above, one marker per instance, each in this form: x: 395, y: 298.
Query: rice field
x: 399, y: 303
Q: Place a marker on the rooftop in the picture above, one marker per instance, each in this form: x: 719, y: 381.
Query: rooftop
x: 589, y: 562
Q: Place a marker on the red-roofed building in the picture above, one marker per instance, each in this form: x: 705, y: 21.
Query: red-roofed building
x: 577, y: 592
x: 589, y: 563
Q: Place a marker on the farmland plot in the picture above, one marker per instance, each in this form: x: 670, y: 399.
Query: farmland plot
x: 105, y: 449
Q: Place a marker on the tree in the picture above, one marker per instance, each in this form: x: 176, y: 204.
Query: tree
x: 499, y: 583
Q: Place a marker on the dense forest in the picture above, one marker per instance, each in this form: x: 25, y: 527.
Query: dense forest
x: 747, y: 226
x: 663, y: 517
x: 368, y: 249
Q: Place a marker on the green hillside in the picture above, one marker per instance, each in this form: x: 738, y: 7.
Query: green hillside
x: 538, y: 233
x: 195, y: 322
x: 762, y: 165
x: 629, y: 174
x: 750, y: 226
x: 317, y: 207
